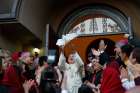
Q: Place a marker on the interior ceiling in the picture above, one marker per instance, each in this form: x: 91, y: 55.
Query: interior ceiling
x: 16, y: 32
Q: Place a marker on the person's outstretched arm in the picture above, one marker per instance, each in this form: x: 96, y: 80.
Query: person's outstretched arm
x: 62, y: 61
x: 80, y: 64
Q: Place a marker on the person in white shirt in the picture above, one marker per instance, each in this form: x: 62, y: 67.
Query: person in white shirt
x: 73, y: 69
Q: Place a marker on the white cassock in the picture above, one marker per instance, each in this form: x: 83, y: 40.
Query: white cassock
x: 74, y: 72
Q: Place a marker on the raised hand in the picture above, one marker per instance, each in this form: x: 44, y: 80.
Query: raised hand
x: 124, y: 73
x: 28, y: 84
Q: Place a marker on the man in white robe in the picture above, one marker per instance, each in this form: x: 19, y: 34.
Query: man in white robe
x: 74, y: 71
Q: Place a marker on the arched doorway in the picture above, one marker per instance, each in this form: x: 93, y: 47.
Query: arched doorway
x: 93, y: 11
x: 94, y: 22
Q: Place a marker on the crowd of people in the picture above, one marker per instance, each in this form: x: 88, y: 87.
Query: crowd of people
x: 21, y: 72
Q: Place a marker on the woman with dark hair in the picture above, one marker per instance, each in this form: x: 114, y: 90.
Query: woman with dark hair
x: 49, y: 79
x: 111, y: 82
x: 135, y: 61
x: 42, y: 65
x: 134, y: 66
x: 124, y: 54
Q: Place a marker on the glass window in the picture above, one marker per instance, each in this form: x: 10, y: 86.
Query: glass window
x: 100, y: 25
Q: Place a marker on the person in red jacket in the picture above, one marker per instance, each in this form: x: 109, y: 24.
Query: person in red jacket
x: 111, y: 82
x: 12, y: 80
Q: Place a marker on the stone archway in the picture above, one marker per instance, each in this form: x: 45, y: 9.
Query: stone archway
x: 89, y: 11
